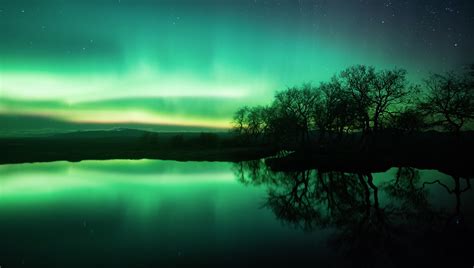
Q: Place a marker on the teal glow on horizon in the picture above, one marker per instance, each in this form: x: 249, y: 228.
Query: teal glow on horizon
x: 194, y: 62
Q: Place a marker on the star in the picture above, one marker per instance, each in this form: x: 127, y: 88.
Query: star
x: 449, y: 9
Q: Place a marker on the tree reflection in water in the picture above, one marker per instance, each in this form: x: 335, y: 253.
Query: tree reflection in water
x: 388, y: 223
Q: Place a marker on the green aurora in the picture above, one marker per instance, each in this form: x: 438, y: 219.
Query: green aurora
x: 193, y: 63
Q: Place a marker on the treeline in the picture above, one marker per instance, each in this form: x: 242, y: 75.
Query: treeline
x: 179, y: 141
x: 360, y: 99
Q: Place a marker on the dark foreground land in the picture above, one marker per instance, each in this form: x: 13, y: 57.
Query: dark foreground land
x: 448, y: 153
x: 431, y: 150
x: 404, y: 217
x: 128, y: 144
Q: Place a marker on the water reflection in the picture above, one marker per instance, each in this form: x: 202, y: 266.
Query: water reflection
x: 139, y: 214
x: 166, y: 213
x: 389, y: 221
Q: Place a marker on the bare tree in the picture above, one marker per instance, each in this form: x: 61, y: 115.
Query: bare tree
x: 449, y: 100
x: 251, y: 123
x: 239, y: 120
x: 335, y: 112
x: 298, y: 104
x: 374, y: 93
x: 358, y: 98
x: 390, y: 88
x: 256, y: 122
x: 357, y: 81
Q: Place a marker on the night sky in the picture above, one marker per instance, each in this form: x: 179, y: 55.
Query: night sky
x: 195, y: 62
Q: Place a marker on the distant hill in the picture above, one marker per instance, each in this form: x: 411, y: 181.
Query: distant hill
x: 117, y: 132
x: 32, y: 125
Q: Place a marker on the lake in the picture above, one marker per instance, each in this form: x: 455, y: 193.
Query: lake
x: 149, y: 213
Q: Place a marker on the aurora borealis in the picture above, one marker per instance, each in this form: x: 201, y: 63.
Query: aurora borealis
x: 193, y: 63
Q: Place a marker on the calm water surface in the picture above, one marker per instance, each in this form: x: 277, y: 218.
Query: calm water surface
x: 147, y: 213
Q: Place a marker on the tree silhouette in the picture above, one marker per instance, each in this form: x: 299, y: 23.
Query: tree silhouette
x: 240, y: 120
x: 449, y: 100
x: 298, y: 105
x: 374, y: 93
x: 357, y: 81
x: 408, y: 121
x: 251, y: 122
x: 358, y: 99
x: 390, y: 88
x: 335, y: 113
